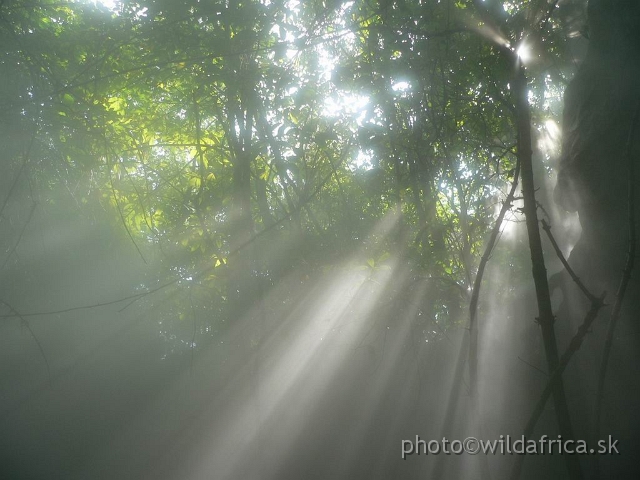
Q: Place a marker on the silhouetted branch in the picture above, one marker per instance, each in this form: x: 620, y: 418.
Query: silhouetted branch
x: 25, y: 159
x: 533, y: 366
x: 33, y: 335
x: 24, y: 227
x: 119, y: 208
x: 574, y: 346
x: 137, y: 296
x: 477, y: 283
x: 556, y: 376
x: 547, y: 228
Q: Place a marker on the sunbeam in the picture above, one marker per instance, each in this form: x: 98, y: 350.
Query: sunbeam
x: 264, y: 240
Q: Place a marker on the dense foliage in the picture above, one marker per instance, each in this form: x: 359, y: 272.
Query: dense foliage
x: 214, y: 129
x: 299, y: 201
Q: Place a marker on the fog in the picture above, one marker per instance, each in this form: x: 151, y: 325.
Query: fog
x: 238, y: 240
x: 326, y: 382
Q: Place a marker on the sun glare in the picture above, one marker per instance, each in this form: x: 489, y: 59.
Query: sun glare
x: 110, y: 4
x: 346, y: 104
x: 524, y: 52
x: 401, y: 86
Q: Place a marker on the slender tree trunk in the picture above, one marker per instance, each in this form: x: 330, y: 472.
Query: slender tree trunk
x: 477, y: 284
x: 545, y: 318
x: 241, y: 221
x: 243, y: 229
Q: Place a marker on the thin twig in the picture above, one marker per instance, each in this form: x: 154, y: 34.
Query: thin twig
x: 96, y: 305
x: 120, y: 212
x: 547, y: 228
x: 193, y: 338
x: 24, y: 227
x: 533, y: 366
x: 25, y: 159
x: 137, y: 296
x: 33, y: 335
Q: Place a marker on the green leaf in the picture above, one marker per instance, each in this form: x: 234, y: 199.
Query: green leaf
x: 68, y: 100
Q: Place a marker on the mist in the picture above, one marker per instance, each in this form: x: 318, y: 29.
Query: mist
x: 284, y: 240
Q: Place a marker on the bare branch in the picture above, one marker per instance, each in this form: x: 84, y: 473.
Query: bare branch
x: 33, y: 335
x: 556, y: 376
x: 547, y: 228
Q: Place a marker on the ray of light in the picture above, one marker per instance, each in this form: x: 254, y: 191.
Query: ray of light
x: 275, y: 372
x: 297, y: 371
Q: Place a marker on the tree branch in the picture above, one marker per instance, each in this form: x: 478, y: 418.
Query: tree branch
x: 33, y: 335
x: 556, y: 376
x: 475, y: 296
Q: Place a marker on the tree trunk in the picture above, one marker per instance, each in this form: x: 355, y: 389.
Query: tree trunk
x: 546, y: 318
x: 600, y: 148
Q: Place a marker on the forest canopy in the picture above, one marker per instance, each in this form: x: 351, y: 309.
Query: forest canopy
x: 201, y: 126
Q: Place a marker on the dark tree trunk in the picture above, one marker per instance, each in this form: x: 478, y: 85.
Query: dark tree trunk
x: 241, y: 127
x: 241, y: 232
x: 599, y: 146
x: 599, y: 108
x: 546, y: 318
